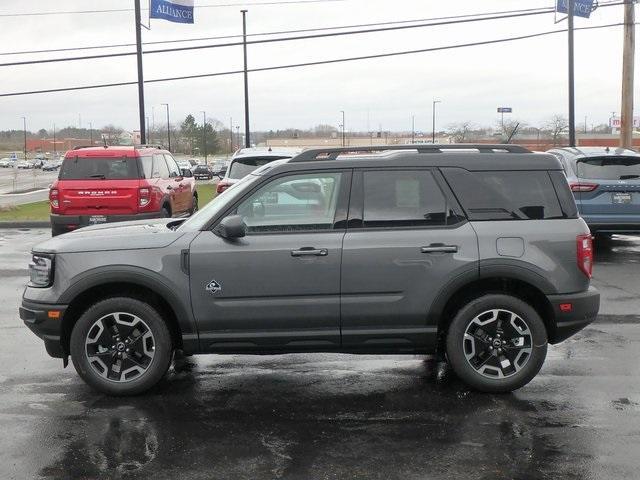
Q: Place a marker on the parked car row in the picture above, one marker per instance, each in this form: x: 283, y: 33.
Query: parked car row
x: 46, y: 165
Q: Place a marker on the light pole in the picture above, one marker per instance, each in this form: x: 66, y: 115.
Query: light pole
x: 413, y: 129
x: 247, y: 139
x: 433, y: 120
x: 55, y: 151
x: 342, y: 126
x: 168, y: 128
x: 204, y: 135
x: 238, y: 136
x: 24, y: 127
x: 91, y: 133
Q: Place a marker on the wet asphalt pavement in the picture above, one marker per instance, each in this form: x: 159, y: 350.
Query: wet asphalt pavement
x: 327, y: 416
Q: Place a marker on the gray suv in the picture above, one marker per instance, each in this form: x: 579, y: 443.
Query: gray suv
x: 473, y: 252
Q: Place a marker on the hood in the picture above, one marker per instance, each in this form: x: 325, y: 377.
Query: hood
x: 137, y: 234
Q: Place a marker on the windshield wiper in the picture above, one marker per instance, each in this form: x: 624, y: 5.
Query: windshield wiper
x: 97, y: 175
x: 628, y: 177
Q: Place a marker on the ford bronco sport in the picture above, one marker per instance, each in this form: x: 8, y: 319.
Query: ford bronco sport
x: 113, y: 184
x: 475, y: 253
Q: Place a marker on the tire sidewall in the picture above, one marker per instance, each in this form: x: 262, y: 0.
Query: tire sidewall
x: 162, y: 339
x: 455, y: 338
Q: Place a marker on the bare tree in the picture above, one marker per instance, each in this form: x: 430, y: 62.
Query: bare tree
x: 555, y: 127
x: 459, y: 132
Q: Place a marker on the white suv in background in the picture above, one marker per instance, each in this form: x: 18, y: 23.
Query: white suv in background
x: 246, y: 160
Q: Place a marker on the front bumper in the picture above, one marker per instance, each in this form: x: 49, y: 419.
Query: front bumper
x: 37, y: 317
x: 584, y: 310
x: 71, y: 222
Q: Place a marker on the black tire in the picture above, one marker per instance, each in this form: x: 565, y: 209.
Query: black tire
x: 517, y: 376
x: 57, y: 230
x: 161, y: 343
x: 194, y: 205
x: 165, y: 212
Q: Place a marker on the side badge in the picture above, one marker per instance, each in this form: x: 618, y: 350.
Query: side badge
x: 213, y: 287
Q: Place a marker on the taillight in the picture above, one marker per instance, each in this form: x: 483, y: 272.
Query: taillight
x: 54, y: 198
x: 222, y: 186
x: 583, y: 187
x: 585, y: 254
x: 144, y: 196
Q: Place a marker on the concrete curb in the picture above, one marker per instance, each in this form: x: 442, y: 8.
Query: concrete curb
x: 26, y: 224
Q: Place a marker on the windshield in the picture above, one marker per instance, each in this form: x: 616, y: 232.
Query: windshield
x: 241, y: 167
x: 110, y: 168
x: 608, y: 168
x: 199, y: 219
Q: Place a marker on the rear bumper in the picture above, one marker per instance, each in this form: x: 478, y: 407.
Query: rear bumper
x: 36, y: 317
x: 584, y: 310
x: 71, y: 222
x: 612, y: 223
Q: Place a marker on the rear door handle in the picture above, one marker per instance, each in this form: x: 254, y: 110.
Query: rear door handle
x: 439, y: 248
x: 310, y: 251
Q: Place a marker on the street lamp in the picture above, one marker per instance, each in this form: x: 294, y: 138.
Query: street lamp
x: 433, y: 113
x: 168, y: 128
x: 413, y: 129
x: 204, y: 135
x: 24, y: 127
x: 342, y: 126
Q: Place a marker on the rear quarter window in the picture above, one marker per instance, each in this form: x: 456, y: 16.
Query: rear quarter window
x: 505, y: 195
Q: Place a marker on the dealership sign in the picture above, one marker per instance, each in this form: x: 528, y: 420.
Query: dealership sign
x: 180, y: 11
x: 505, y: 110
x: 581, y: 8
x: 616, y: 122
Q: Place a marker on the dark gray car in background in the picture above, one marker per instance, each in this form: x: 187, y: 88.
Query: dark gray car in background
x: 474, y: 253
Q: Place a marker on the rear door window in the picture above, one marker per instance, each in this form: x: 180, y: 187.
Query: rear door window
x: 107, y: 168
x: 241, y: 167
x: 408, y: 198
x: 608, y: 168
x: 160, y: 169
x: 505, y: 195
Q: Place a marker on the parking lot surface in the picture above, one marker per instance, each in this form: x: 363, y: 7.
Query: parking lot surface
x: 329, y: 416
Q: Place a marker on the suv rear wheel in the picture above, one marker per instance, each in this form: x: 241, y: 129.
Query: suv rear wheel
x: 497, y: 343
x: 121, y: 346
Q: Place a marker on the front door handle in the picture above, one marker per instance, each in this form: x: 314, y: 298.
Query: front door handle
x: 439, y: 248
x: 310, y: 251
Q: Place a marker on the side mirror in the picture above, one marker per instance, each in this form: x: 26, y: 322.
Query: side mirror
x: 231, y: 227
x: 187, y: 173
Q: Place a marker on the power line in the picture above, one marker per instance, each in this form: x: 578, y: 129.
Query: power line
x: 539, y: 10
x: 308, y: 64
x: 120, y: 10
x: 260, y: 34
x: 273, y: 40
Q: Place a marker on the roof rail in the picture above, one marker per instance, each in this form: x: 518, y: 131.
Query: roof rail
x: 333, y: 153
x: 149, y: 145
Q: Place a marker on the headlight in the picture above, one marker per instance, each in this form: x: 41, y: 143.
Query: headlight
x: 41, y: 270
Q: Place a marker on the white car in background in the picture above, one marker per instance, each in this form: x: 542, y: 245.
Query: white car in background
x: 246, y: 160
x: 6, y: 162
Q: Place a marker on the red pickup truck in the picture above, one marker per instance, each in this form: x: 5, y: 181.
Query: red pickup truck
x: 114, y: 184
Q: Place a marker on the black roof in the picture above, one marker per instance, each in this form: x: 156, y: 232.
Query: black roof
x: 470, y: 157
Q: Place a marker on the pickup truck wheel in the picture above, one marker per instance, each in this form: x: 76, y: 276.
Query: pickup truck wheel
x: 497, y: 343
x: 121, y: 346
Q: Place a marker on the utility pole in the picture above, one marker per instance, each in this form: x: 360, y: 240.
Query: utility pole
x: 626, y: 110
x: 24, y: 128
x: 55, y: 152
x: 433, y: 121
x: 168, y: 126
x: 247, y: 139
x: 91, y: 133
x: 342, y: 126
x: 204, y: 136
x: 143, y: 134
x: 572, y: 103
x: 413, y: 129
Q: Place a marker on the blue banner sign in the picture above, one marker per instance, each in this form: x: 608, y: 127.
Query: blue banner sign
x: 504, y: 110
x: 180, y: 11
x: 581, y: 8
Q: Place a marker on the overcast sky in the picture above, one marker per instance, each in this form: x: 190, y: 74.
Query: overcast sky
x: 528, y: 75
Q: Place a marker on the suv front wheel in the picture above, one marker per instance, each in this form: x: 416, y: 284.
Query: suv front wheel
x: 497, y: 343
x: 121, y: 346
